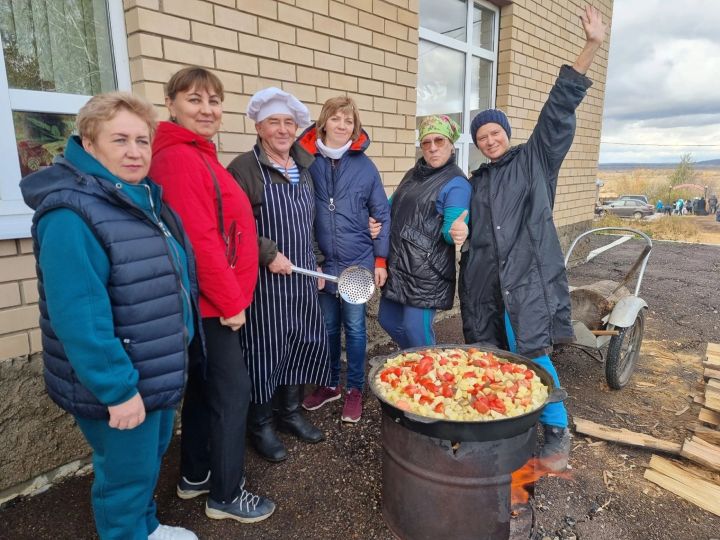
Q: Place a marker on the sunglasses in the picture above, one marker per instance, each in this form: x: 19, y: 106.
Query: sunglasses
x: 439, y: 142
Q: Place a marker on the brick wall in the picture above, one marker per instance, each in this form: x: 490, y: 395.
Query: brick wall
x: 315, y: 49
x: 536, y: 38
x: 19, y: 335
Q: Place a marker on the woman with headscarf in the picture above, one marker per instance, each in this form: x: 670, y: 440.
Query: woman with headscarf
x: 427, y: 211
x: 117, y: 287
x: 219, y: 222
x: 284, y: 340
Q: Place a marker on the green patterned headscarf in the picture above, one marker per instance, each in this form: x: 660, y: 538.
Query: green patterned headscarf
x: 442, y: 124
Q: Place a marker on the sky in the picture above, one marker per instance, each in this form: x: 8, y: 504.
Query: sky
x: 663, y: 84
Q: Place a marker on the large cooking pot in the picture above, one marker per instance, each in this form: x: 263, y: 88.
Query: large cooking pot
x: 467, y: 431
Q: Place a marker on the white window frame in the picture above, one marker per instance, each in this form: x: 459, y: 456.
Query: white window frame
x: 469, y: 50
x: 15, y: 216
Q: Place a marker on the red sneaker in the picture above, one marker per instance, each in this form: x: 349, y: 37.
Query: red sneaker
x: 352, y: 410
x: 321, y: 396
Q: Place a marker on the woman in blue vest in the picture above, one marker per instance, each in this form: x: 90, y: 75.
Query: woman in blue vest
x: 116, y: 278
x: 427, y: 210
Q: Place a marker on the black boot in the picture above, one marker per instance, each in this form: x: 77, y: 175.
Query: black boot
x: 291, y: 418
x: 262, y: 433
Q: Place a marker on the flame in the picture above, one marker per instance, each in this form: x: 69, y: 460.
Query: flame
x: 526, y: 476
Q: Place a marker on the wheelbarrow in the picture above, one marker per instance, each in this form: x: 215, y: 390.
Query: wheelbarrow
x: 605, y: 314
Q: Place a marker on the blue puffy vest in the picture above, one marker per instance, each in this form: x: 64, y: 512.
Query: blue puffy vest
x: 144, y: 289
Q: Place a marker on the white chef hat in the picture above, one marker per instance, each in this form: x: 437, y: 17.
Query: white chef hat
x: 269, y: 101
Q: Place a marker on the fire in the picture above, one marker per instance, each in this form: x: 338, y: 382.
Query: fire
x: 526, y: 476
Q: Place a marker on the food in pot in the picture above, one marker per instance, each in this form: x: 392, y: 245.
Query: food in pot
x: 460, y: 384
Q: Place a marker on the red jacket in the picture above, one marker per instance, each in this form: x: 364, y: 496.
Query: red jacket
x: 178, y: 166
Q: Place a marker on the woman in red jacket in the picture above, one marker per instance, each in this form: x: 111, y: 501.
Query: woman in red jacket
x: 218, y: 220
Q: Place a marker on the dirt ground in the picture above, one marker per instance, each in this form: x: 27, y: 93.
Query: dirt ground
x: 333, y: 490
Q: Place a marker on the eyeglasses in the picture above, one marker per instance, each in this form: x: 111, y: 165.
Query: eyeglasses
x: 439, y: 142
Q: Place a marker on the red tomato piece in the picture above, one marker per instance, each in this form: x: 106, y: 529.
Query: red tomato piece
x: 439, y: 408
x: 529, y: 374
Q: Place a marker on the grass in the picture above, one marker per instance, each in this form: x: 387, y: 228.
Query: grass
x: 663, y: 228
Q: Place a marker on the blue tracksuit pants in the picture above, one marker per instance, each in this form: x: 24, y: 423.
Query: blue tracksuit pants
x: 127, y: 465
x: 554, y: 414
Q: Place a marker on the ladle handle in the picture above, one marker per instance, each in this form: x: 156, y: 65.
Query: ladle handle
x: 312, y: 273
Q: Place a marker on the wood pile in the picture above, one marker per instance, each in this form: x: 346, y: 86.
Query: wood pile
x: 698, y: 482
x: 703, y: 448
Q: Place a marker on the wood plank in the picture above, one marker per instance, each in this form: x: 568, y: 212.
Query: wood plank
x: 708, y: 434
x: 625, y: 436
x: 713, y: 348
x: 684, y: 471
x: 712, y: 384
x: 699, y: 399
x: 701, y: 452
x: 709, y: 417
x: 712, y: 364
x: 692, y: 488
x: 710, y: 373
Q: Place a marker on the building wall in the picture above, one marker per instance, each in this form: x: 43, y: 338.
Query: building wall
x: 536, y: 38
x: 315, y: 49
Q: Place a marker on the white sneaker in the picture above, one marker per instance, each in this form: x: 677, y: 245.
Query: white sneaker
x: 166, y: 532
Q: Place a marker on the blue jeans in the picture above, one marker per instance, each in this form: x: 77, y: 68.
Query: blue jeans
x: 554, y: 414
x: 127, y: 464
x: 339, y: 314
x: 408, y: 326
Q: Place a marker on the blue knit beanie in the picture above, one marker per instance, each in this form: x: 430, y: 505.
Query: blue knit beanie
x: 488, y: 116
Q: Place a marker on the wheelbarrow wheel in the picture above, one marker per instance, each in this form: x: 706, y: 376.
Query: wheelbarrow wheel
x: 623, y: 352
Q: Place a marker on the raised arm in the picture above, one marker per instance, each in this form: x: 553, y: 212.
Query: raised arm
x: 595, y: 30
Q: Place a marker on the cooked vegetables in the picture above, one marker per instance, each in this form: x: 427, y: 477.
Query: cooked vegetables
x: 460, y: 384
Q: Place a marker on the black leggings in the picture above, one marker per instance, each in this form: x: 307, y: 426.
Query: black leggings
x: 214, y: 413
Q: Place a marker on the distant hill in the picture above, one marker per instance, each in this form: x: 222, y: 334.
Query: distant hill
x: 707, y: 164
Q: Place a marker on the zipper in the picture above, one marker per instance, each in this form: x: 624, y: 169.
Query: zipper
x: 332, y: 208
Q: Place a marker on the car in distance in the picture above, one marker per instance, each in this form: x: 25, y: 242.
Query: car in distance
x: 642, y: 198
x: 629, y: 208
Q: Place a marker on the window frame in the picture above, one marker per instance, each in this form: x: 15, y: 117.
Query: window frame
x: 15, y: 215
x: 469, y: 50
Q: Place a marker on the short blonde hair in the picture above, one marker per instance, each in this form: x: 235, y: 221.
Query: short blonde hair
x: 194, y: 77
x: 104, y: 107
x: 343, y: 104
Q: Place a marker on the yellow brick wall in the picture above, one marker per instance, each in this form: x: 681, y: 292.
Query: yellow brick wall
x: 315, y: 49
x: 536, y: 38
x: 318, y: 49
x: 19, y: 335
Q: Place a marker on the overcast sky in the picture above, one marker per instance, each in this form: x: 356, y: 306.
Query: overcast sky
x: 663, y: 82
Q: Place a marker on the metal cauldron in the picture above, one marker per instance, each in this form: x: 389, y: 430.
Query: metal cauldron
x: 454, y: 430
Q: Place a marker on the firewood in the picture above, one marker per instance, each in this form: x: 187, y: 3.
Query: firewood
x: 712, y: 395
x: 713, y: 348
x: 702, y: 452
x: 684, y: 484
x: 713, y: 363
x: 710, y: 373
x: 707, y: 434
x: 625, y: 436
x: 709, y: 417
x: 699, y: 399
x: 590, y: 303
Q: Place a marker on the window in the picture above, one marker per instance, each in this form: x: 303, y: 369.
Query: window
x: 54, y: 56
x: 457, y: 66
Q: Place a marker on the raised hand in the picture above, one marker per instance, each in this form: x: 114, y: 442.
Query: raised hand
x: 127, y: 415
x: 459, y: 229
x: 595, y: 29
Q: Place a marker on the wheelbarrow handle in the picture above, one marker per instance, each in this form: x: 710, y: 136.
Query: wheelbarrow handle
x: 312, y: 273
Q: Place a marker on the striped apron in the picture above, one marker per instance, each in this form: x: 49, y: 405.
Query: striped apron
x: 284, y: 338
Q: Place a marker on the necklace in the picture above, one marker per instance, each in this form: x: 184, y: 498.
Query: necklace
x: 277, y: 160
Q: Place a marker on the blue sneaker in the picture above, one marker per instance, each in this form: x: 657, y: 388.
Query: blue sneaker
x: 246, y: 508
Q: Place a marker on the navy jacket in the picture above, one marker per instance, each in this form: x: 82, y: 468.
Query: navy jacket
x: 143, y: 287
x: 514, y: 262
x: 347, y: 192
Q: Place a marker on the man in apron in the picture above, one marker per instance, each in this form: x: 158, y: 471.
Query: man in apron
x: 284, y: 339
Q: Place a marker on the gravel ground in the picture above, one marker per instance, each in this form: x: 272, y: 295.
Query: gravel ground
x: 332, y: 490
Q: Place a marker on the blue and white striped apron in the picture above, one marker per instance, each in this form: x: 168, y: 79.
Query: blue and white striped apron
x: 284, y: 338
